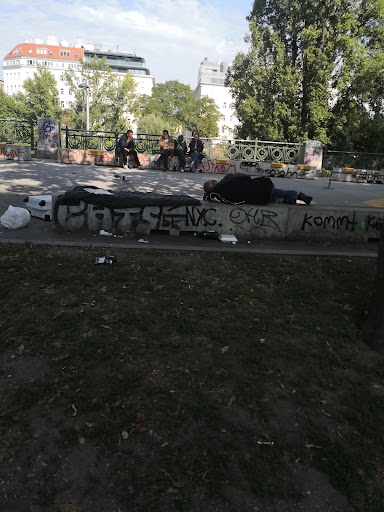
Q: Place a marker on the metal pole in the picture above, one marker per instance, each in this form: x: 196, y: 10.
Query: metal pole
x: 87, y: 106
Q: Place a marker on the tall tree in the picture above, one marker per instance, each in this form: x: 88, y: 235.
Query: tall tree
x: 175, y: 104
x: 304, y: 74
x: 41, y: 97
x: 8, y: 106
x: 111, y: 97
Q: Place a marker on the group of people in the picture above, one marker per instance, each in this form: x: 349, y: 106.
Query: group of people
x: 170, y: 147
x: 232, y: 189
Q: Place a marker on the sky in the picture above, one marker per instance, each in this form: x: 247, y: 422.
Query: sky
x: 173, y: 36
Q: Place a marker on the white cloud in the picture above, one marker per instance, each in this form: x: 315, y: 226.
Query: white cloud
x: 173, y: 36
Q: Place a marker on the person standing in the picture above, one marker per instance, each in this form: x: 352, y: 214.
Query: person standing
x: 167, y: 146
x: 180, y: 151
x: 196, y: 148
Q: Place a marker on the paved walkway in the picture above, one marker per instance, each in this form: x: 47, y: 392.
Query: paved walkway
x: 21, y: 179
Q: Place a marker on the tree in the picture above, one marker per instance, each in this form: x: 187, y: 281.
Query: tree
x: 41, y: 97
x: 111, y: 97
x: 307, y: 69
x: 154, y: 124
x: 175, y: 104
x: 8, y: 107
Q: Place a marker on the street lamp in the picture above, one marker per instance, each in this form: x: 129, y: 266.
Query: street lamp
x: 86, y: 87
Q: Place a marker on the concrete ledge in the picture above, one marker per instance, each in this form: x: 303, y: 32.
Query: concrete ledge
x: 208, y: 165
x: 15, y: 152
x: 357, y: 175
x: 246, y: 222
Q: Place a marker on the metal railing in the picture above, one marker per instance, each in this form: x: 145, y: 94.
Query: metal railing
x: 355, y: 160
x: 16, y: 131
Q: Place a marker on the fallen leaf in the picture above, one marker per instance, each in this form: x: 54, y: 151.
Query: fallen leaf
x: 91, y: 425
x: 140, y: 418
x: 222, y: 372
x: 360, y: 472
x: 74, y: 410
x: 179, y: 485
x: 225, y: 349
x: 55, y: 397
x: 231, y: 400
x: 310, y: 445
x: 59, y: 358
x: 105, y: 326
x: 20, y: 347
x: 326, y: 413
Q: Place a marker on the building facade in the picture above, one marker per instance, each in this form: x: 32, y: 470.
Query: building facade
x: 22, y: 61
x: 211, y: 83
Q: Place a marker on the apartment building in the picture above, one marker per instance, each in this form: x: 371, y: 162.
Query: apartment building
x: 21, y: 63
x: 211, y: 83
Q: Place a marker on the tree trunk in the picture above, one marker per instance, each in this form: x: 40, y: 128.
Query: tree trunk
x: 373, y: 330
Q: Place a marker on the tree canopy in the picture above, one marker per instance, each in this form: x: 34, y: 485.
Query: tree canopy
x: 41, y: 97
x: 314, y: 70
x: 175, y: 104
x: 111, y: 97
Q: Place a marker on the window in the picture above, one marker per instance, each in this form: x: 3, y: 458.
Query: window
x: 70, y: 93
x: 30, y: 62
x: 61, y: 91
x: 75, y: 55
x: 224, y: 105
x: 62, y: 104
x: 29, y: 51
x: 50, y: 53
x: 65, y: 54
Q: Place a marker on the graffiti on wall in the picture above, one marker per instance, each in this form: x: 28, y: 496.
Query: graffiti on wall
x: 342, y: 222
x: 257, y: 170
x: 251, y: 218
x: 77, y: 156
x: 313, y: 155
x: 48, y: 132
x: 11, y: 154
x: 159, y: 218
x: 209, y: 165
x: 368, y: 176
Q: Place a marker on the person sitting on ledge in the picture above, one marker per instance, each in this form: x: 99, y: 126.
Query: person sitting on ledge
x: 241, y: 188
x: 126, y: 148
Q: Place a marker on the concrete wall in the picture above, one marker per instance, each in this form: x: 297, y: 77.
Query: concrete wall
x: 357, y: 175
x: 15, y: 152
x: 246, y: 222
x: 78, y: 156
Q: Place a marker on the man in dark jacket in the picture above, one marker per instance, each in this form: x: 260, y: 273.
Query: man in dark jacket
x: 196, y: 148
x: 126, y: 147
x: 241, y: 188
x: 180, y: 151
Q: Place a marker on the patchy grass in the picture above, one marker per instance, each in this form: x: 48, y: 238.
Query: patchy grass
x: 189, y: 382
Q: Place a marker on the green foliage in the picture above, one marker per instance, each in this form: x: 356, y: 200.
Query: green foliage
x: 154, y: 124
x: 8, y: 106
x: 175, y: 104
x: 111, y: 97
x: 314, y: 70
x: 40, y: 98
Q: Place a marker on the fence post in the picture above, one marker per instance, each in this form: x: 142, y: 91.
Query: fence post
x: 66, y: 137
x: 32, y: 136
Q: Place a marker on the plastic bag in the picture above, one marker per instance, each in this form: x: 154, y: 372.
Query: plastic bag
x: 15, y: 218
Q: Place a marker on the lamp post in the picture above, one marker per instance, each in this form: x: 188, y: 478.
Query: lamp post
x: 86, y: 87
